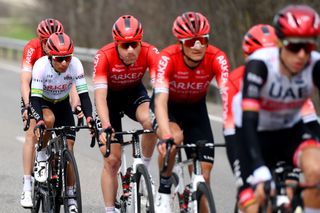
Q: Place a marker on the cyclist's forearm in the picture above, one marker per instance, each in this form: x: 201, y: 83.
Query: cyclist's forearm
x: 25, y: 87
x: 161, y: 111
x: 86, y: 104
x: 100, y: 96
x: 36, y: 108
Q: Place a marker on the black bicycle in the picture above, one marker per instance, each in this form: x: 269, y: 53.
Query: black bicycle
x: 135, y: 194
x: 195, y: 196
x: 277, y: 201
x: 52, y: 193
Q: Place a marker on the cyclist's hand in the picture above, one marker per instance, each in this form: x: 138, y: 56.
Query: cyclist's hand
x: 90, y: 123
x: 40, y: 125
x: 78, y: 111
x: 24, y: 114
x: 104, y: 133
x: 162, y: 146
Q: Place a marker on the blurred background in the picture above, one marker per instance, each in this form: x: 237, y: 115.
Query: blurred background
x: 89, y: 23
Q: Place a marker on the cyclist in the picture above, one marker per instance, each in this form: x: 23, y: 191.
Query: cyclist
x: 33, y: 50
x: 276, y: 84
x: 182, y: 78
x: 259, y: 36
x: 118, y: 70
x: 52, y: 79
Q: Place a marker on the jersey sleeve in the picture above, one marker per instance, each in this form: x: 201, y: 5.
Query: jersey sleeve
x: 163, y: 68
x: 153, y: 57
x: 29, y: 57
x: 100, y: 70
x: 37, y: 79
x: 221, y: 68
x: 79, y: 79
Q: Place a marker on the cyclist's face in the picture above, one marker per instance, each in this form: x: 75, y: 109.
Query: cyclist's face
x: 61, y: 64
x: 296, y: 56
x: 129, y: 51
x: 195, y: 48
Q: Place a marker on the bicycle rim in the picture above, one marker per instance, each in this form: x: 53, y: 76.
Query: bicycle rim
x: 69, y: 161
x: 205, y: 202
x: 144, y: 194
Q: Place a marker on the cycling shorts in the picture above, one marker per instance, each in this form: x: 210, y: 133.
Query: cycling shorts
x: 194, y: 121
x: 63, y: 115
x: 122, y: 103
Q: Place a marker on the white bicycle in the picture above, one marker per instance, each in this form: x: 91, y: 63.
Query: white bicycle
x: 134, y: 184
x: 194, y: 196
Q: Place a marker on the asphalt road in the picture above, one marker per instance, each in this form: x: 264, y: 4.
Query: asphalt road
x: 89, y: 160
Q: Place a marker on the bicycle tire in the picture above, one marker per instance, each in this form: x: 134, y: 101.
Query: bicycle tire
x: 204, y: 190
x: 36, y: 197
x: 143, y: 172
x: 68, y: 159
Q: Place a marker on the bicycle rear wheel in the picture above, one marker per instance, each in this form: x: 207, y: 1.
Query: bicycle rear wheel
x: 144, y: 194
x: 70, y: 162
x: 204, y: 198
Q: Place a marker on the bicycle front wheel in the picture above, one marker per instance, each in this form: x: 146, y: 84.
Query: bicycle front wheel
x: 144, y: 190
x: 205, y: 202
x: 36, y: 197
x: 71, y: 183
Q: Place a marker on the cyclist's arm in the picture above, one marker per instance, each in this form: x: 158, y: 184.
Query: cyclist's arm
x: 25, y: 86
x: 250, y: 106
x: 100, y: 97
x: 86, y: 104
x: 36, y: 108
x: 74, y: 97
x: 161, y: 111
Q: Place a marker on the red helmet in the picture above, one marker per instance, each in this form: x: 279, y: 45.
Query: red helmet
x: 190, y: 24
x: 127, y: 28
x: 48, y: 26
x: 59, y: 44
x: 259, y: 36
x: 297, y: 21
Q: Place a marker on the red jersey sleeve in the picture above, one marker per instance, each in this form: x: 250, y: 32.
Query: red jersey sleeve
x: 221, y: 67
x: 164, y: 67
x: 153, y: 58
x: 31, y: 53
x: 100, y: 74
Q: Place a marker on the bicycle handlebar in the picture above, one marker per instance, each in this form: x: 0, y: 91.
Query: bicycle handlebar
x: 130, y: 132
x: 199, y: 144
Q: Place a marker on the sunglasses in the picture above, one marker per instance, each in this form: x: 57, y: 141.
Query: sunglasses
x: 296, y: 47
x: 60, y: 59
x: 192, y: 42
x: 126, y: 45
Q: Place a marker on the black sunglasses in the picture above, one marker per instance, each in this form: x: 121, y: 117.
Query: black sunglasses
x: 296, y: 47
x: 60, y: 59
x: 126, y: 45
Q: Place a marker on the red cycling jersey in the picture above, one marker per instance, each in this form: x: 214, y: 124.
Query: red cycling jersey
x: 110, y: 71
x: 185, y: 84
x: 307, y: 112
x: 31, y: 53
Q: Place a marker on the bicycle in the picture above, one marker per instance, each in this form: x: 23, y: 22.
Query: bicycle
x: 187, y: 196
x: 52, y: 193
x: 278, y: 202
x: 134, y: 181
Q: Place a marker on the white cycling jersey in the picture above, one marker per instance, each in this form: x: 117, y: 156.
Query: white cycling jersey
x: 281, y: 98
x: 54, y: 86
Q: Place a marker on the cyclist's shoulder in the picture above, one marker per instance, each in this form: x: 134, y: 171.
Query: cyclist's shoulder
x: 172, y: 50
x: 237, y: 73
x: 108, y: 48
x: 35, y: 43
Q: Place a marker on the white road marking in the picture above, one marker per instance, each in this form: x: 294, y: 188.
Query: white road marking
x: 215, y: 118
